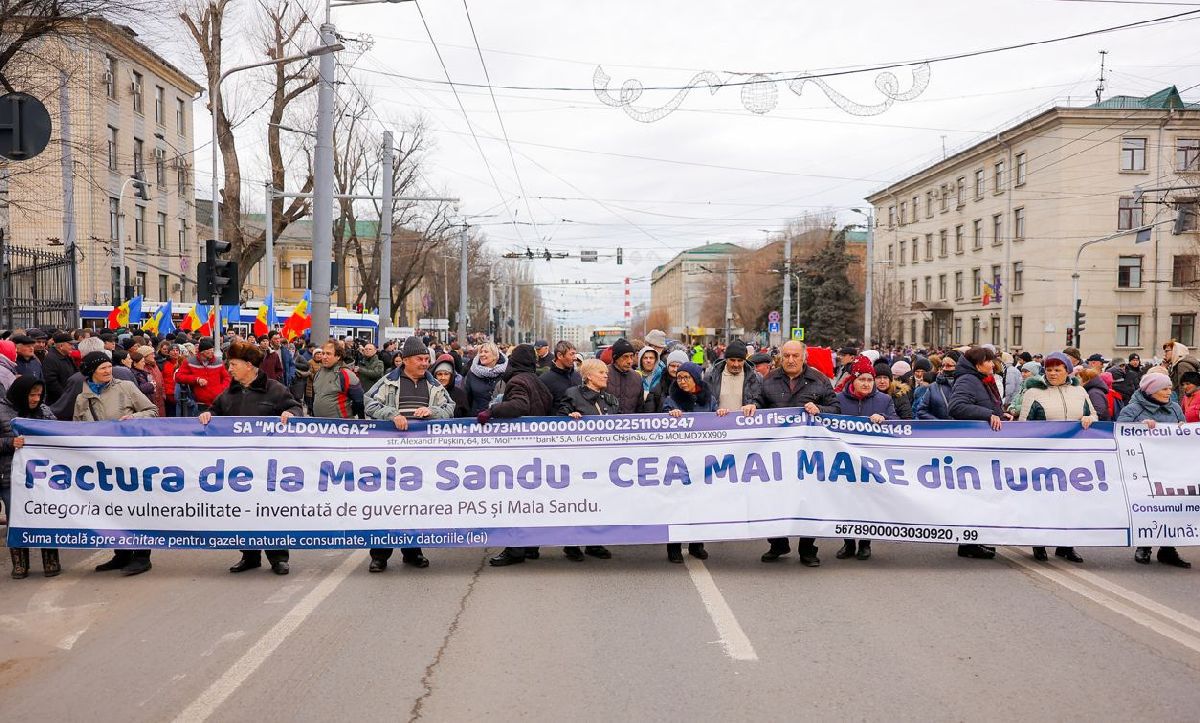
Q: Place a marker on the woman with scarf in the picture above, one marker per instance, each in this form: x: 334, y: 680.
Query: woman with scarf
x: 688, y: 393
x: 487, y: 368
x: 647, y: 365
x: 976, y: 397
x: 443, y: 371
x: 863, y: 397
x: 22, y: 401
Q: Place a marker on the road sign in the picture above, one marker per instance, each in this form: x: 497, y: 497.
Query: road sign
x: 24, y: 126
x: 797, y: 333
x: 434, y: 324
x: 589, y: 256
x: 773, y: 316
x: 772, y: 327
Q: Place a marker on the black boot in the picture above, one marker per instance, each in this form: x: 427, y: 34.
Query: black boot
x: 675, y: 552
x: 20, y: 562
x: 248, y: 562
x: 599, y: 552
x: 979, y: 552
x: 50, y: 564
x: 1068, y: 554
x: 864, y: 550
x: 1170, y: 556
x: 119, y: 560
x: 849, y: 548
x: 696, y: 550
x: 508, y: 556
x: 574, y: 554
x: 1142, y: 556
x: 1039, y: 554
x: 779, y: 548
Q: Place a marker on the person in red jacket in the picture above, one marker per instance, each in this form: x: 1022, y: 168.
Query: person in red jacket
x: 1189, y: 395
x: 204, y: 374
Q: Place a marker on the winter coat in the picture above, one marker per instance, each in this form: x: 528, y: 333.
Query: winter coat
x: 115, y: 400
x: 192, y: 370
x: 337, y: 393
x: 971, y: 399
x: 935, y: 402
x: 1012, y: 381
x: 168, y: 372
x: 1178, y: 369
x: 7, y: 414
x: 8, y: 372
x: 382, y: 401
x: 31, y: 367
x: 778, y: 391
x: 524, y: 396
x: 1142, y: 407
x: 1191, y: 407
x: 558, y: 381
x: 144, y: 382
x: 56, y: 372
x: 264, y: 397
x: 587, y: 401
x: 627, y: 388
x: 901, y: 395
x: 1097, y: 392
x: 1124, y: 382
x: 480, y: 383
x: 370, y: 370
x: 1066, y: 402
x: 876, y: 402
x: 700, y: 401
x: 751, y: 388
x: 272, y: 366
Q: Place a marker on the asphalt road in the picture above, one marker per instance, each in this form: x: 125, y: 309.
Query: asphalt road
x: 914, y: 633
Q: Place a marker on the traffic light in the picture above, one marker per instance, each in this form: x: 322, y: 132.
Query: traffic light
x: 1070, y: 337
x: 620, y: 256
x: 1080, y: 318
x: 141, y: 189
x: 217, y: 278
x: 334, y: 279
x: 546, y: 254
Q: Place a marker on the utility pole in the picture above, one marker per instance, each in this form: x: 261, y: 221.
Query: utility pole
x: 323, y: 181
x: 787, y: 286
x: 517, y: 309
x: 385, y: 240
x: 728, y: 300
x: 492, y: 325
x: 269, y: 258
x: 462, y: 286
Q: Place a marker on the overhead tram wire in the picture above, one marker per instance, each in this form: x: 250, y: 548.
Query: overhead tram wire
x: 466, y: 116
x: 500, y: 118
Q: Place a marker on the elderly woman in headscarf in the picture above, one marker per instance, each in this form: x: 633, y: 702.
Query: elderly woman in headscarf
x: 688, y: 393
x: 23, y: 400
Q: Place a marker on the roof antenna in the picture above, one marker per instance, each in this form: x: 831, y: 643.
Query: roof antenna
x: 1100, y: 80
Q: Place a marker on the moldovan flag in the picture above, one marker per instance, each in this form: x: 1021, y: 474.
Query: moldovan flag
x: 300, y: 321
x: 988, y: 292
x: 200, y: 319
x: 266, y: 319
x: 129, y: 312
x: 160, y: 322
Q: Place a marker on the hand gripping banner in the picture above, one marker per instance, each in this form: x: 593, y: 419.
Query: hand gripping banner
x: 245, y: 483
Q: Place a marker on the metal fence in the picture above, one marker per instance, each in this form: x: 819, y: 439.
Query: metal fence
x: 37, y: 288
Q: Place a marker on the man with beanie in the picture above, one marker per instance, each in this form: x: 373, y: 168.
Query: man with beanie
x: 624, y: 382
x: 732, y: 385
x: 407, y: 392
x: 204, y: 375
x: 562, y: 375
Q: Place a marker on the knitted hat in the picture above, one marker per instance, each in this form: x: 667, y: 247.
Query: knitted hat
x: 1058, y: 358
x: 736, y: 350
x: 1154, y: 383
x: 872, y: 355
x: 923, y: 364
x: 1190, y: 378
x: 656, y: 337
x: 8, y: 349
x: 621, y: 347
x: 1032, y: 367
x: 901, y: 368
x: 207, y: 343
x: 93, y: 361
x: 444, y: 362
x: 862, y: 365
x: 694, y: 371
x: 678, y: 356
x: 413, y: 346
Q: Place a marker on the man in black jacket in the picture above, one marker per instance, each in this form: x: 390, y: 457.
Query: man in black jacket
x: 561, y: 375
x: 252, y: 394
x: 795, y: 384
x: 57, y: 367
x: 624, y: 382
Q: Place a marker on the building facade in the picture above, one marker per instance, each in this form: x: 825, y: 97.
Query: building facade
x: 981, y: 246
x: 680, y: 287
x: 117, y: 108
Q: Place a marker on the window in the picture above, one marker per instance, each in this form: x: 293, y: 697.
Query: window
x: 181, y: 176
x: 112, y: 148
x: 116, y: 284
x: 913, y: 289
x: 960, y: 191
x: 164, y: 290
x: 160, y: 105
x: 976, y: 283
x: 997, y: 230
x: 180, y: 115
x: 1187, y: 154
x: 1129, y: 330
x: 926, y: 331
x: 974, y: 329
x: 929, y: 204
x: 915, y: 250
x: 995, y: 331
x: 139, y: 283
x: 1018, y: 224
x: 1020, y: 169
x: 1185, y: 270
x: 139, y: 156
x: 1183, y: 328
x: 1129, y: 272
x: 903, y: 249
x: 929, y: 247
x: 160, y: 167
x: 943, y: 248
x: 998, y: 177
x: 912, y: 331
x: 162, y: 233
x: 1190, y: 210
x: 903, y: 212
x: 1018, y: 331
x: 182, y: 238
x: 1133, y: 154
x: 299, y: 276
x: 891, y: 254
x: 891, y: 216
x: 994, y: 279
x: 958, y: 331
x: 958, y: 285
x: 110, y: 76
x: 1129, y: 213
x: 977, y: 241
x: 979, y: 184
x: 945, y: 197
x: 958, y: 239
x: 928, y: 288
x: 942, y: 287
x: 139, y: 225
x: 916, y: 201
x: 1017, y: 283
x: 114, y: 221
x: 136, y: 90
x: 900, y: 291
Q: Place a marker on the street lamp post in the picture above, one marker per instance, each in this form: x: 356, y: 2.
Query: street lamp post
x: 1143, y: 234
x: 868, y: 292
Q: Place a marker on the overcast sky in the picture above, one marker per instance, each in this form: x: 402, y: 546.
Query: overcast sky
x: 713, y: 170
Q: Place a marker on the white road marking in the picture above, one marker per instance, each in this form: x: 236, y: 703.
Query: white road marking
x: 217, y: 693
x: 226, y: 638
x: 44, y: 619
x: 733, y: 638
x: 1171, y: 624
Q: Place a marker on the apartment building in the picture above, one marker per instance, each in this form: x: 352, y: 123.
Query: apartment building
x: 117, y: 108
x: 679, y: 288
x: 981, y: 246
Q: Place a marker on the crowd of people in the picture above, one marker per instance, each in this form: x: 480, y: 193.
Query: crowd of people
x: 123, y: 374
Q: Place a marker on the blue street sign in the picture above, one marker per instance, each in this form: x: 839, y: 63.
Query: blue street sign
x: 772, y: 327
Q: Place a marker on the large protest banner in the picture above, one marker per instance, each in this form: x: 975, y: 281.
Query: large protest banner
x: 256, y: 483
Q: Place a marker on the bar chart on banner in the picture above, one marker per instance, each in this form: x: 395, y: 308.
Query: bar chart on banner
x: 1161, y: 482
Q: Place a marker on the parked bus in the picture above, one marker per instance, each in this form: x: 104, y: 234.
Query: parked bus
x: 604, y: 336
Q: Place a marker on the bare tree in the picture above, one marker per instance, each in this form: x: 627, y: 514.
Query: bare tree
x: 285, y: 21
